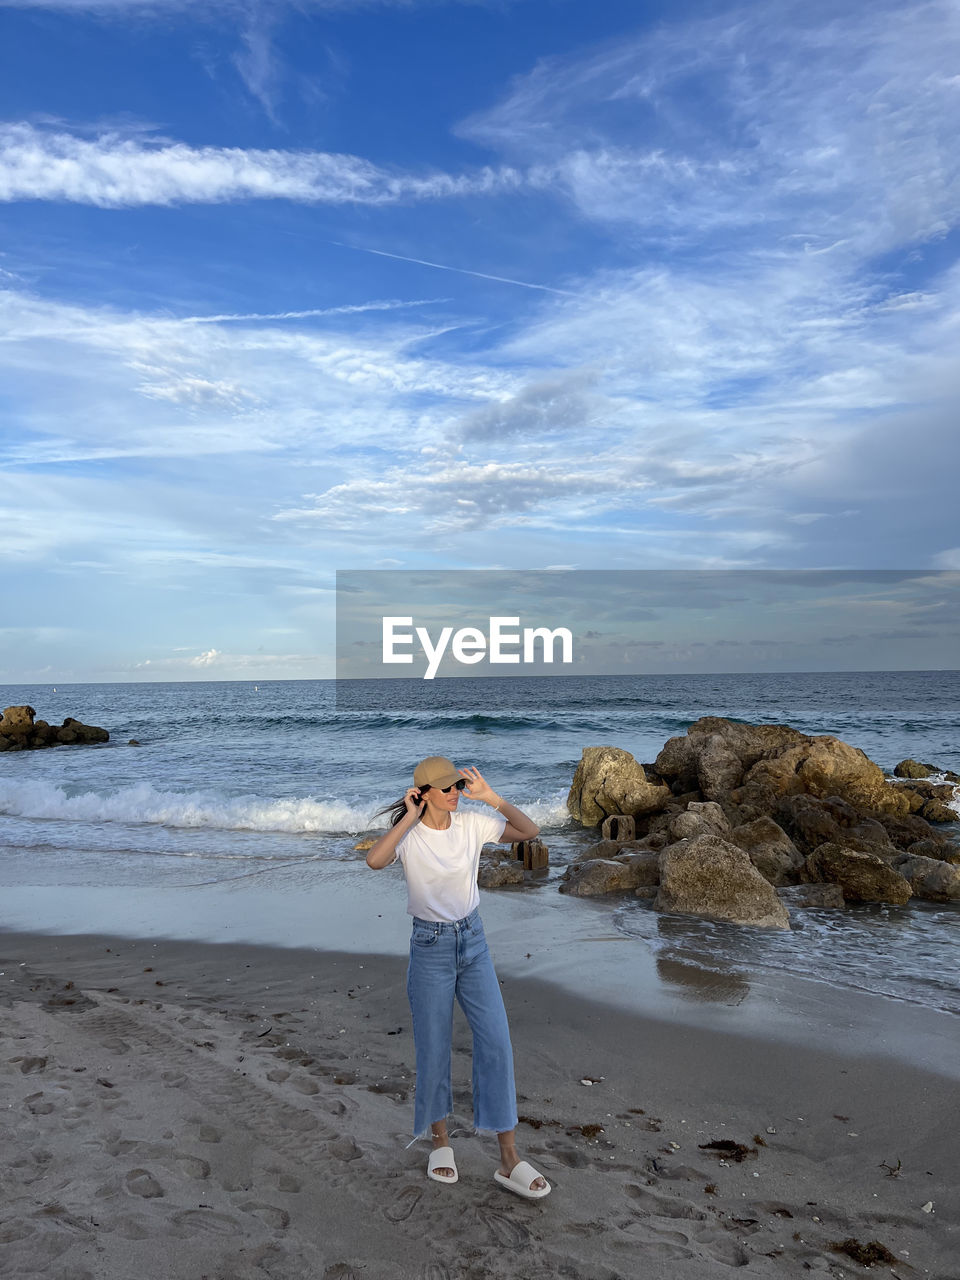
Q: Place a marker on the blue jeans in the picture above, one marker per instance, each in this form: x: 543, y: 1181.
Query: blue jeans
x: 447, y: 960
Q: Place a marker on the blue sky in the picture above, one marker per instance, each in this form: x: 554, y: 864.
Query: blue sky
x: 291, y: 288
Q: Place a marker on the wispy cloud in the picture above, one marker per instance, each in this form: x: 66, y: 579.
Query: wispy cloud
x: 257, y: 62
x: 463, y: 271
x: 116, y: 171
x: 835, y: 127
x: 317, y: 312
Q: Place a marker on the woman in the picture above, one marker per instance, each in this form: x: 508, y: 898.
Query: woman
x: 439, y: 849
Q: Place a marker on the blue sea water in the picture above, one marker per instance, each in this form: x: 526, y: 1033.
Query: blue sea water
x: 239, y: 781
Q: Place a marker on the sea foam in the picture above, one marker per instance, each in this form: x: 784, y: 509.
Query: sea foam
x: 143, y: 803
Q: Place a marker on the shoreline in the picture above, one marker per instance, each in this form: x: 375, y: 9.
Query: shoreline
x: 301, y: 1061
x: 572, y: 944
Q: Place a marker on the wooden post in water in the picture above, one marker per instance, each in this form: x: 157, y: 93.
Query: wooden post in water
x: 534, y: 853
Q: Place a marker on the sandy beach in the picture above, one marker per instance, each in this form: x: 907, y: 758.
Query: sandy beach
x: 186, y: 1110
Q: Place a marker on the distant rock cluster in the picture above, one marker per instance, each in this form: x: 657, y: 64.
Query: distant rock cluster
x: 20, y: 730
x: 736, y: 822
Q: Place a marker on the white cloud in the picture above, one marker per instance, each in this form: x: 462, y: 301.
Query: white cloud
x: 837, y: 129
x: 116, y: 171
x: 215, y: 664
x: 454, y: 496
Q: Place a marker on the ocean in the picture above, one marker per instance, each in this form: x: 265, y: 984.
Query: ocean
x: 264, y: 787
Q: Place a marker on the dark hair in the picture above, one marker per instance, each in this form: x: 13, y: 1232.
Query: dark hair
x: 397, y: 809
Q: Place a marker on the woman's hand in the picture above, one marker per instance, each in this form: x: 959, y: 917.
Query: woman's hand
x: 479, y: 788
x: 411, y: 798
x: 519, y: 826
x: 383, y: 851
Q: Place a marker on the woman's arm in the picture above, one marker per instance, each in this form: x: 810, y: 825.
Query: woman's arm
x: 381, y: 854
x: 519, y: 826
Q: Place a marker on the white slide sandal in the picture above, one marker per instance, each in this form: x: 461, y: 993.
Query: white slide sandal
x: 521, y: 1176
x: 442, y: 1158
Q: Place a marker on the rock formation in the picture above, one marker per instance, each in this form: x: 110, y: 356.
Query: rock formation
x: 609, y: 781
x: 730, y: 812
x: 710, y: 877
x: 21, y: 731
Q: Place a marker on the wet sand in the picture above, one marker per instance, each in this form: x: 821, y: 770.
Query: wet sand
x: 181, y: 1109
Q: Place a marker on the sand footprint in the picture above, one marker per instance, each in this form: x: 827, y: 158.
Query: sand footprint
x: 116, y: 1045
x: 503, y: 1230
x: 344, y: 1149
x: 722, y: 1249
x: 30, y: 1066
x: 277, y: 1219
x: 133, y: 1227
x: 38, y: 1105
x: 141, y: 1182
x: 433, y: 1271
x: 403, y: 1204
x: 569, y: 1157
x: 195, y: 1222
x: 14, y: 1229
x: 659, y: 1243
x: 281, y: 1179
x: 192, y: 1166
x: 341, y: 1271
x: 663, y: 1206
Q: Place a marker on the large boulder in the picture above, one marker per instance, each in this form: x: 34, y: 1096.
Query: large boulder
x: 770, y: 850
x: 932, y: 800
x: 599, y: 876
x: 20, y: 730
x: 930, y: 878
x: 825, y: 766
x: 938, y: 811
x: 491, y: 875
x: 761, y: 763
x: 748, y: 742
x: 82, y: 732
x: 905, y: 831
x: 644, y: 867
x: 935, y: 849
x: 714, y: 879
x: 609, y: 781
x: 811, y: 822
x: 602, y: 849
x: 914, y: 769
x: 719, y: 768
x: 17, y: 722
x: 43, y: 735
x: 677, y: 763
x: 704, y: 818
x: 804, y: 896
x: 863, y: 877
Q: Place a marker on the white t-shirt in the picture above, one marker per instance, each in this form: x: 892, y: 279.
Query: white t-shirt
x: 441, y: 866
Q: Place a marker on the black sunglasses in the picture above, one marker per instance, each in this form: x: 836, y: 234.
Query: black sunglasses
x: 459, y: 784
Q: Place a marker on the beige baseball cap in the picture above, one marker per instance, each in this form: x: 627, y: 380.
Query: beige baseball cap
x: 435, y: 771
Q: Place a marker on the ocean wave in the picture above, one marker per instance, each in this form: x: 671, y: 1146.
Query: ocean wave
x: 143, y: 804
x: 594, y: 719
